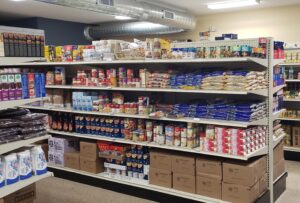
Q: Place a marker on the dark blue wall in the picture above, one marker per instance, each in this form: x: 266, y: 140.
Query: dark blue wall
x: 57, y: 32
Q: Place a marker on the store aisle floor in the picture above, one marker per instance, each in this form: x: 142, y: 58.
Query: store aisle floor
x: 59, y: 190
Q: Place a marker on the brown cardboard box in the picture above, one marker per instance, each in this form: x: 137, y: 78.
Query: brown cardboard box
x: 72, y: 160
x: 25, y: 195
x: 186, y: 183
x: 238, y: 193
x: 1, y: 200
x: 183, y: 164
x: 296, y: 136
x: 279, y: 169
x: 91, y: 165
x: 45, y: 148
x: 263, y: 184
x: 209, y: 167
x: 278, y: 153
x: 160, y: 177
x: 161, y: 160
x: 246, y: 174
x: 89, y: 149
x: 208, y: 186
x: 262, y: 166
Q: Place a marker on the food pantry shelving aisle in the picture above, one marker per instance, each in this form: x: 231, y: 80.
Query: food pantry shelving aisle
x: 5, y: 148
x: 227, y: 62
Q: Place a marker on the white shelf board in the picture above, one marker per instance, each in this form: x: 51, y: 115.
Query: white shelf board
x: 276, y: 140
x: 263, y: 121
x: 290, y: 64
x: 292, y: 80
x: 278, y: 113
x: 291, y: 149
x: 291, y: 100
x: 277, y: 61
x: 262, y: 92
x: 289, y: 119
x: 16, y: 103
x: 4, y: 148
x: 14, y: 61
x: 278, y: 88
x: 263, y: 62
x: 9, y: 189
x: 155, y: 145
x: 151, y: 187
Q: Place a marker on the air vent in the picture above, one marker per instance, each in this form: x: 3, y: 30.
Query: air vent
x: 106, y: 2
x: 169, y: 15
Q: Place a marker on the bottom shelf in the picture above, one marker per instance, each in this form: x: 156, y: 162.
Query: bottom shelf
x: 6, y: 190
x: 142, y: 185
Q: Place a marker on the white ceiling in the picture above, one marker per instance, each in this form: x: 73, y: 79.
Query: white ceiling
x: 29, y: 8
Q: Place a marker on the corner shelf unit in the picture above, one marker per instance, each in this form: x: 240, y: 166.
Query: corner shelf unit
x: 265, y: 95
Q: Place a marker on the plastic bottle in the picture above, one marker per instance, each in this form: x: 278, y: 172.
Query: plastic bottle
x: 11, y: 169
x: 25, y: 165
x: 39, y: 163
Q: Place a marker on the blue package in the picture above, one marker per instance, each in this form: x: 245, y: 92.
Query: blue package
x: 37, y: 84
x: 25, y: 92
x: 43, y: 85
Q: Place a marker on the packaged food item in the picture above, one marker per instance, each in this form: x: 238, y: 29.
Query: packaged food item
x: 25, y: 165
x: 39, y: 163
x: 11, y: 169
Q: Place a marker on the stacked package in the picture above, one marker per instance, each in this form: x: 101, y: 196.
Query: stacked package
x: 186, y: 81
x: 20, y: 124
x: 159, y: 80
x: 213, y: 81
x: 234, y: 141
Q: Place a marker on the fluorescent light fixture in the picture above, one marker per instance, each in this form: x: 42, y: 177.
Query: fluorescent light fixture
x: 122, y: 18
x: 232, y: 4
x: 17, y: 0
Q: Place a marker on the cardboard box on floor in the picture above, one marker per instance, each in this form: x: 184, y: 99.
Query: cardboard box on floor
x: 278, y: 153
x: 239, y: 194
x: 183, y: 164
x: 160, y: 160
x: 160, y: 177
x: 209, y: 168
x: 89, y: 150
x: 183, y: 182
x: 72, y: 160
x: 278, y: 169
x: 25, y: 195
x: 246, y: 174
x: 91, y: 165
x: 296, y: 136
x: 209, y: 186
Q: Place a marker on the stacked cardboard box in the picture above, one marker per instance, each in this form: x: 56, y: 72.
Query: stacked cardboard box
x: 24, y: 195
x: 243, y: 182
x: 278, y: 161
x: 209, y: 177
x: 58, y: 147
x: 89, y: 160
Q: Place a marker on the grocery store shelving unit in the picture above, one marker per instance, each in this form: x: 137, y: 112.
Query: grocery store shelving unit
x: 6, y: 148
x: 266, y: 95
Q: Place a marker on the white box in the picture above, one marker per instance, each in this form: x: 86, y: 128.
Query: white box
x: 59, y: 159
x: 66, y: 144
x: 51, y: 142
x: 51, y: 160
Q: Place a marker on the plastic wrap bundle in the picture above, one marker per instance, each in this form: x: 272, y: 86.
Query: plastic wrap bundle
x: 159, y: 80
x: 186, y: 81
x: 214, y: 81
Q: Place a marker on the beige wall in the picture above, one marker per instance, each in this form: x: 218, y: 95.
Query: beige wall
x: 282, y: 23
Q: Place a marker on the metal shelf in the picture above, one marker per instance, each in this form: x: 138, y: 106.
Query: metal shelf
x: 291, y: 100
x: 263, y: 62
x: 9, y: 189
x: 291, y: 149
x: 278, y: 61
x: 259, y: 152
x: 278, y: 113
x: 4, y: 148
x: 151, y: 187
x: 290, y: 64
x: 278, y: 139
x: 289, y: 119
x: 263, y: 121
x: 262, y: 92
x: 14, y: 61
x: 20, y: 102
x: 278, y: 88
x: 292, y: 80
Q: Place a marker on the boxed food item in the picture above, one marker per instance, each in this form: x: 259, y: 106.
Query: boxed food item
x: 209, y: 168
x: 279, y: 169
x: 183, y: 164
x: 296, y: 136
x: 161, y: 160
x: 65, y: 144
x: 246, y: 174
x: 161, y: 177
x: 183, y: 182
x: 24, y: 195
x: 72, y: 160
x: 59, y: 159
x: 239, y: 194
x: 91, y: 165
x: 89, y: 150
x: 278, y: 153
x: 208, y: 186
